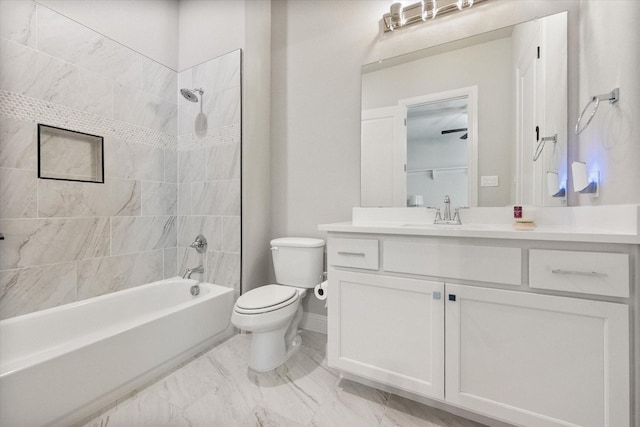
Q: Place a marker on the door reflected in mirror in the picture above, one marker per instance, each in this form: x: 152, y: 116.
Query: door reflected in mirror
x: 437, y: 159
x: 507, y: 88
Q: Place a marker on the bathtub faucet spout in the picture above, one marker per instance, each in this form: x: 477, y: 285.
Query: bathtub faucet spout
x: 190, y: 271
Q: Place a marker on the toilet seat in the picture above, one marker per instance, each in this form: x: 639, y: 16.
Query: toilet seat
x: 265, y: 299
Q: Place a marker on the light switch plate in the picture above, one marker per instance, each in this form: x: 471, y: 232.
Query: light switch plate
x: 488, y: 181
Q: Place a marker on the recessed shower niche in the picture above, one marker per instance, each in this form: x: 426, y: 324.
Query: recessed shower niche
x: 69, y: 155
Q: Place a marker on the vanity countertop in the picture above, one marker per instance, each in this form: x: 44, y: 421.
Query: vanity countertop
x: 487, y: 231
x: 594, y: 224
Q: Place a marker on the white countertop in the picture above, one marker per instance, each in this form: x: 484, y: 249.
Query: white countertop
x: 611, y: 224
x: 487, y: 231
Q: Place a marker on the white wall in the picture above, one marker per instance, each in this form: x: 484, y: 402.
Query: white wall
x: 256, y: 146
x: 209, y: 29
x: 149, y: 27
x: 318, y: 49
x: 610, y: 58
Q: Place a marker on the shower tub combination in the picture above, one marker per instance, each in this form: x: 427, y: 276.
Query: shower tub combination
x: 61, y: 365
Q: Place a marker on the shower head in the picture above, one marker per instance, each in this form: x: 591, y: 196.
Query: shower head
x: 190, y: 94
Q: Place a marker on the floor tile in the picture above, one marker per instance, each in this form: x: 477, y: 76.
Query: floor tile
x: 218, y: 389
x: 403, y: 412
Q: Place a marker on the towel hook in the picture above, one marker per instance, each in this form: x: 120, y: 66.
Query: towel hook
x: 612, y: 97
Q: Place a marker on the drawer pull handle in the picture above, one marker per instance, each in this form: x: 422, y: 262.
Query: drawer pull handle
x: 351, y: 253
x: 580, y: 273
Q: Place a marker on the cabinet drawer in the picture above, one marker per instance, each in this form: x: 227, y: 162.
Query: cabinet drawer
x: 353, y: 253
x: 595, y: 273
x: 478, y: 263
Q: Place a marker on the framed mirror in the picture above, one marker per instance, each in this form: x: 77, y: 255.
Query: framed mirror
x: 483, y: 120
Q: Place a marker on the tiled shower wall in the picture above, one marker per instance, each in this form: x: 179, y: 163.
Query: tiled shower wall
x: 209, y: 169
x: 67, y: 241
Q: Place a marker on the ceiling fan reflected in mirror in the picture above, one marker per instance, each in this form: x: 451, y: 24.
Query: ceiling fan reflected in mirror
x: 447, y: 131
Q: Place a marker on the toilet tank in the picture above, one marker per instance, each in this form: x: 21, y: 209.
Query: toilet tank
x: 298, y: 261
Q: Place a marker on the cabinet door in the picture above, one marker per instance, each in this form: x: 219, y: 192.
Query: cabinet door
x: 388, y: 329
x: 537, y: 360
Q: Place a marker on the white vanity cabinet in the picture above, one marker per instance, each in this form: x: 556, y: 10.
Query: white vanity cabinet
x: 388, y: 329
x: 537, y: 360
x: 486, y: 325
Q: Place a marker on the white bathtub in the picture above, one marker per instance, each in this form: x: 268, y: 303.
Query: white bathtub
x: 60, y: 365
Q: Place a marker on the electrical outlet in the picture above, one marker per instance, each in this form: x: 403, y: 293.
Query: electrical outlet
x: 488, y: 181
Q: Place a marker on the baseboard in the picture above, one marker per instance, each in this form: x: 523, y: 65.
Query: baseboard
x: 314, y: 322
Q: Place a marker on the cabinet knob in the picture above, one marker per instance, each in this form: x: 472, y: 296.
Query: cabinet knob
x: 436, y: 295
x: 452, y: 297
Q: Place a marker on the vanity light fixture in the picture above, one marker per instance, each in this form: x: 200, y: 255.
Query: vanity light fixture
x: 402, y: 16
x: 583, y: 182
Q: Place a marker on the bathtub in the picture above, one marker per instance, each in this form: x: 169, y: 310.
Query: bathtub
x: 61, y: 365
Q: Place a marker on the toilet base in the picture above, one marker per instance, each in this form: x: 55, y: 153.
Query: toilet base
x: 271, y: 349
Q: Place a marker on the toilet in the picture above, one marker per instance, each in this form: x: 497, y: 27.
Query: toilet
x: 272, y: 313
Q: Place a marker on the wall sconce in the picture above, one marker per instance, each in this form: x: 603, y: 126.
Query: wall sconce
x: 400, y: 17
x: 554, y: 189
x: 583, y: 182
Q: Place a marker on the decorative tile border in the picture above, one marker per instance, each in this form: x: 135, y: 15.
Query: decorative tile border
x: 22, y: 107
x: 225, y: 134
x: 34, y: 110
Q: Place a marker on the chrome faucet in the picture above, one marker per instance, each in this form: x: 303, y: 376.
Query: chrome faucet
x: 187, y: 274
x: 446, y: 217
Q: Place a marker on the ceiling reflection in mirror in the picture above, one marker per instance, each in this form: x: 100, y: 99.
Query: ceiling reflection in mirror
x: 507, y: 87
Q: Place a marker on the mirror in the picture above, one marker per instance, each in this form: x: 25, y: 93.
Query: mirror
x: 504, y: 91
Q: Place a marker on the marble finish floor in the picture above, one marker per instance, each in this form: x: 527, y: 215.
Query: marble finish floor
x: 216, y: 389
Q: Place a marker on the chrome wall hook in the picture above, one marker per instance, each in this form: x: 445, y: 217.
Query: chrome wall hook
x: 612, y: 97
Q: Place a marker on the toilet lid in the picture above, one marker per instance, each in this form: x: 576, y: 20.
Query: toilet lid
x: 267, y: 297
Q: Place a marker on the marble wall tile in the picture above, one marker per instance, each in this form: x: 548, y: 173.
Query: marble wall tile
x: 223, y: 268
x: 184, y: 199
x: 191, y: 165
x: 223, y: 161
x: 170, y: 165
x: 170, y: 262
x: 231, y: 234
x: 18, y: 144
x: 218, y: 74
x: 143, y: 109
x: 119, y: 159
x: 26, y: 290
x: 80, y: 199
x: 63, y: 38
x: 142, y: 233
x: 37, y: 75
x: 189, y: 258
x: 188, y: 113
x: 148, y: 162
x: 159, y: 198
x: 159, y: 80
x: 18, y: 21
x: 18, y: 191
x: 230, y: 106
x: 33, y: 242
x: 100, y: 276
x: 216, y: 198
x: 209, y: 226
